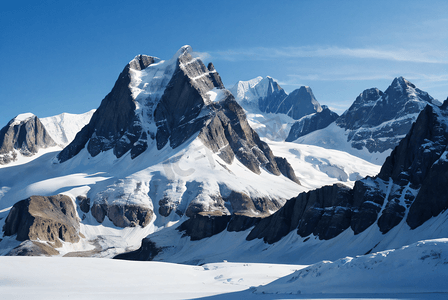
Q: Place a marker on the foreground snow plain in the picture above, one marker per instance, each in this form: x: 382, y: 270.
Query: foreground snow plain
x: 417, y: 271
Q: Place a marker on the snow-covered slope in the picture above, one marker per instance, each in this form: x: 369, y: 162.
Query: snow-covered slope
x: 64, y: 127
x: 414, y: 272
x: 418, y: 268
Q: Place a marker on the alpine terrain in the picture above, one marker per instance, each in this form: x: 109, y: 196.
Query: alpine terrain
x: 255, y: 191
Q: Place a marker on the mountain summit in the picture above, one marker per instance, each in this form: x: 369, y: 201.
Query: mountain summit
x: 23, y: 135
x: 375, y: 122
x: 267, y: 95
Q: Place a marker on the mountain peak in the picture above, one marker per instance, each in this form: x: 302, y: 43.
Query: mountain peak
x: 141, y: 62
x: 24, y: 134
x: 21, y: 118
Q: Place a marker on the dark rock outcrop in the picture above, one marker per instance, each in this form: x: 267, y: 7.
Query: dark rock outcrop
x: 274, y: 96
x: 114, y: 125
x: 325, y: 212
x: 26, y: 135
x: 84, y: 203
x: 199, y: 226
x: 147, y: 251
x: 420, y: 161
x: 229, y: 133
x: 33, y: 248
x: 122, y: 215
x: 312, y: 122
x: 413, y: 179
x: 49, y: 218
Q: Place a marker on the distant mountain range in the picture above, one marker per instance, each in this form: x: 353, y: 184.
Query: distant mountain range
x: 176, y: 164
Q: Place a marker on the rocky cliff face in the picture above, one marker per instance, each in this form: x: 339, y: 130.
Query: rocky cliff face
x: 37, y: 218
x: 412, y: 184
x: 23, y: 135
x: 312, y: 122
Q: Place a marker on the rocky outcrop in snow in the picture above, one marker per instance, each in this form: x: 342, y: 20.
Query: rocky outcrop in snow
x: 23, y: 135
x: 38, y: 218
x: 413, y: 183
x: 312, y: 122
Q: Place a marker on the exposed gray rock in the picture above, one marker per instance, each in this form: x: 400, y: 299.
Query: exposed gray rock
x: 84, y: 203
x: 274, y: 97
x: 419, y: 160
x: 26, y: 136
x: 312, y: 122
x: 99, y: 211
x: 286, y: 169
x: 321, y: 212
x: 50, y: 218
x: 229, y: 133
x: 241, y: 222
x: 122, y: 215
x: 395, y: 109
x: 147, y: 251
x: 114, y: 125
x: 200, y: 226
x: 33, y: 248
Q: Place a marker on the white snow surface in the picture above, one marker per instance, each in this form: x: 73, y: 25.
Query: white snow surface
x: 413, y: 272
x: 250, y: 91
x: 421, y: 267
x: 64, y: 127
x: 21, y: 118
x: 335, y: 137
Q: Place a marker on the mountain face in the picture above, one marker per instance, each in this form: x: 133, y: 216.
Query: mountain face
x: 411, y: 186
x: 378, y: 213
x: 23, y: 135
x: 312, y: 123
x: 267, y: 95
x: 395, y: 109
x: 157, y: 106
x: 375, y: 123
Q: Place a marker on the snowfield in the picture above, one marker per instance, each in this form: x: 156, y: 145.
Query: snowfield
x: 417, y: 271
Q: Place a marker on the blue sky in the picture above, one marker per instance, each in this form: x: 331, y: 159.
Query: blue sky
x: 64, y: 56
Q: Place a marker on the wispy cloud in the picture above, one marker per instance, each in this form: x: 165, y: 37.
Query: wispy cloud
x: 392, y: 54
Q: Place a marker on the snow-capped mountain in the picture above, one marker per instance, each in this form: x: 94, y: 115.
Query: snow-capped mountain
x: 267, y: 95
x: 168, y: 144
x: 23, y: 136
x: 64, y: 127
x: 375, y: 123
x: 272, y: 112
x: 406, y: 202
x: 312, y: 122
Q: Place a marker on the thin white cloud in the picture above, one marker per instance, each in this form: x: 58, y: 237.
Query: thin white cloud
x: 392, y: 54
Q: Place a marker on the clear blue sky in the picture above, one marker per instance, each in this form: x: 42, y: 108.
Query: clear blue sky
x: 64, y: 56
